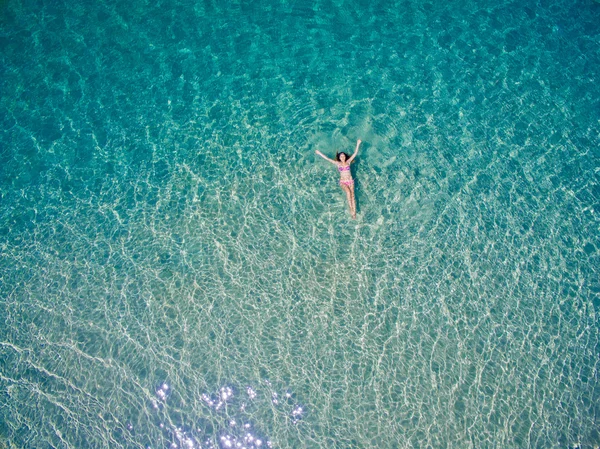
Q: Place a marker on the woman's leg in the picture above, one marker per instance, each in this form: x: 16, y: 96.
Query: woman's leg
x: 349, y: 198
x: 352, y: 201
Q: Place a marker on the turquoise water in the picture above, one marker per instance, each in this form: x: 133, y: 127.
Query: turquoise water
x: 178, y: 269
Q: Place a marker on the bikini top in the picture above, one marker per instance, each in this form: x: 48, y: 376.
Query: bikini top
x: 346, y: 168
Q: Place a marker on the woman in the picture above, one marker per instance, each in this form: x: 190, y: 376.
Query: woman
x: 343, y: 161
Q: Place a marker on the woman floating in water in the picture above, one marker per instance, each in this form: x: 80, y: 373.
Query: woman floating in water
x: 343, y: 161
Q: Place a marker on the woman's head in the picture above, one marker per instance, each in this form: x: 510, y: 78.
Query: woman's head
x: 341, y: 157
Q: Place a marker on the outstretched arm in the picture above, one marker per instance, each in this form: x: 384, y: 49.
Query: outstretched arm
x: 325, y: 157
x: 351, y: 158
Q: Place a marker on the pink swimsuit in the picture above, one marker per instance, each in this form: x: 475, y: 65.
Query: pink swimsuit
x: 345, y: 182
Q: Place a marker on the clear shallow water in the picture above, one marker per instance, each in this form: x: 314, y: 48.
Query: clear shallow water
x: 179, y: 270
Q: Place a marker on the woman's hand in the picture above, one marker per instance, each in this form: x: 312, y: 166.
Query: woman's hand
x: 325, y: 157
x: 351, y: 158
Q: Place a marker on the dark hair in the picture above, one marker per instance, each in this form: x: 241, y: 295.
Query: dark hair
x: 337, y: 156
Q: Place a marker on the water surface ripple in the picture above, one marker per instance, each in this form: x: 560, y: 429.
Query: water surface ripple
x: 178, y: 270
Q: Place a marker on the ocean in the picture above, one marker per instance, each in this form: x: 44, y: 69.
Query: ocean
x: 179, y: 269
